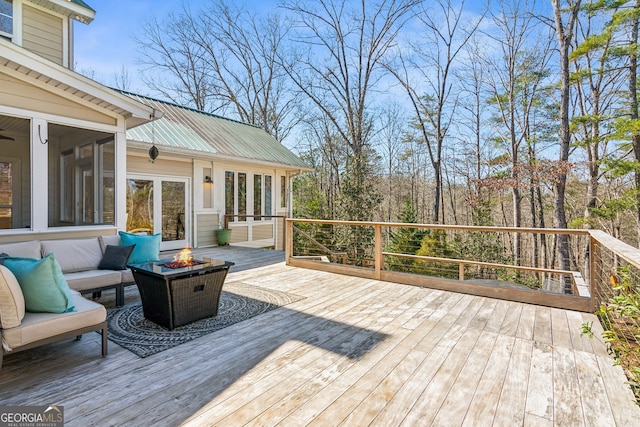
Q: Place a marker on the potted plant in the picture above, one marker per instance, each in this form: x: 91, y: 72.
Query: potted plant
x: 223, y: 235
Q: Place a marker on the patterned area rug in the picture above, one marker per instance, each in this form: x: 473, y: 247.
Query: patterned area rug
x: 129, y: 329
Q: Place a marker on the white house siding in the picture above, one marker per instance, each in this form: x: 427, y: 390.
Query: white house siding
x: 160, y: 167
x: 205, y: 235
x: 18, y: 94
x: 240, y: 234
x: 262, y: 231
x: 77, y: 233
x: 42, y: 33
x: 279, y: 231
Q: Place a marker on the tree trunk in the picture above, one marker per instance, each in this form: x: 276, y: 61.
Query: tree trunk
x: 565, y: 36
x: 633, y: 98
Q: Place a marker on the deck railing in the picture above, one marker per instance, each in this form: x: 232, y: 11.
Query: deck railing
x: 517, y: 264
x: 276, y: 220
x: 476, y: 260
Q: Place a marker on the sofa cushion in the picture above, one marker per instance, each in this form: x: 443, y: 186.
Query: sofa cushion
x: 37, y: 326
x: 115, y: 257
x: 42, y: 283
x: 11, y: 300
x: 112, y: 239
x: 92, y: 279
x: 127, y: 276
x: 74, y: 254
x: 29, y: 249
x: 147, y: 247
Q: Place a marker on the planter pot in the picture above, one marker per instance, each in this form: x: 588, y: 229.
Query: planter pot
x: 224, y: 236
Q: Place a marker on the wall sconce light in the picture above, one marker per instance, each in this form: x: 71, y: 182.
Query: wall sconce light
x: 208, y: 180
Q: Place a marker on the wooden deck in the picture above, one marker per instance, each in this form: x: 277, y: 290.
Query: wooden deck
x: 353, y: 352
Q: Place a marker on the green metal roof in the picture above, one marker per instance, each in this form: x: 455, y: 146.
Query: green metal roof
x: 212, y: 135
x: 82, y: 4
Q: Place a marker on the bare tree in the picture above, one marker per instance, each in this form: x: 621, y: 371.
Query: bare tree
x: 224, y: 59
x: 431, y: 94
x: 565, y: 27
x: 122, y: 80
x: 633, y: 99
x: 337, y: 67
x: 175, y: 68
x: 515, y: 75
x: 390, y: 146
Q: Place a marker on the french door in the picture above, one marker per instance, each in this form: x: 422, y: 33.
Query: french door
x: 159, y: 205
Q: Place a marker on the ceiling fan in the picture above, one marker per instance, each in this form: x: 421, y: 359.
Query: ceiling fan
x: 6, y: 137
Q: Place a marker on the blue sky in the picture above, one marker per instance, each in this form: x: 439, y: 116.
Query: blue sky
x: 107, y: 44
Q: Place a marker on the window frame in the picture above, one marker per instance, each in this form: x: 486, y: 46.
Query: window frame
x: 250, y: 189
x: 80, y: 180
x: 10, y: 18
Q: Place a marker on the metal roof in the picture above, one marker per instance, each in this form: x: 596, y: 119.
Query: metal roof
x: 210, y: 135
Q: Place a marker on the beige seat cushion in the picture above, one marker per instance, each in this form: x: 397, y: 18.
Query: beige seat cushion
x: 127, y: 276
x: 12, y: 307
x: 29, y: 249
x: 82, y: 280
x: 113, y: 240
x: 74, y: 255
x: 38, y: 326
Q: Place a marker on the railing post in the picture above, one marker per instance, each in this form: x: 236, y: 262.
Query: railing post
x: 284, y: 231
x: 461, y: 271
x: 595, y: 272
x: 288, y: 250
x: 377, y: 256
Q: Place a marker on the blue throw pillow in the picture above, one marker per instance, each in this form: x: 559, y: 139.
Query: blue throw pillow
x: 147, y: 248
x: 43, y: 284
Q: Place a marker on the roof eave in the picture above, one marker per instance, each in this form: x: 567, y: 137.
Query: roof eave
x: 34, y: 69
x: 74, y: 9
x: 143, y: 147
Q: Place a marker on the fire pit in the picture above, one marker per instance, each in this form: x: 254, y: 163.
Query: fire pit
x: 183, y: 259
x: 178, y: 291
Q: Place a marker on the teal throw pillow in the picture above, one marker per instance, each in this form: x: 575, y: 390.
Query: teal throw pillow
x: 43, y: 285
x: 147, y: 248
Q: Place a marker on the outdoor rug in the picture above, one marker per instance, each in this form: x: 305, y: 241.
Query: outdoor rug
x: 129, y: 329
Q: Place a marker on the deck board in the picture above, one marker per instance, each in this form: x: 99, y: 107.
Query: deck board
x: 352, y: 352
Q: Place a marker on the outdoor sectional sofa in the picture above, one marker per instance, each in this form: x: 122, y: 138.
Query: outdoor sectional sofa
x: 21, y: 330
x: 79, y: 260
x: 82, y: 264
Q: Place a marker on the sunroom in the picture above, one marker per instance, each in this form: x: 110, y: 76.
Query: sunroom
x: 62, y: 149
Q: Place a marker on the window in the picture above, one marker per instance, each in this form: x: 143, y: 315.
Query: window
x: 257, y: 195
x: 15, y: 173
x: 235, y: 203
x: 242, y: 196
x: 81, y: 177
x: 262, y: 197
x: 283, y: 191
x: 6, y: 195
x: 229, y: 193
x: 267, y: 196
x: 80, y: 181
x: 6, y: 18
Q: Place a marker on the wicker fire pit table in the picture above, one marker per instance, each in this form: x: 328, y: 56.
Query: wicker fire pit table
x: 174, y: 296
